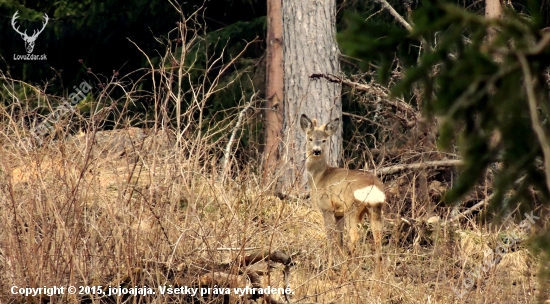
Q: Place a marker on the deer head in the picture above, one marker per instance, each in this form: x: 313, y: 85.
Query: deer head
x: 29, y: 40
x: 317, y: 137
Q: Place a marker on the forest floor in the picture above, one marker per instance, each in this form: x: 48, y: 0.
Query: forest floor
x: 122, y: 209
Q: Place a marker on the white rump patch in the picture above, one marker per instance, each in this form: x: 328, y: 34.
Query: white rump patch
x: 370, y: 194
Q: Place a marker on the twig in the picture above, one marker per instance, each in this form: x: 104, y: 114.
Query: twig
x: 226, y: 157
x: 475, y: 207
x: 231, y: 248
x: 384, y: 95
x: 396, y: 15
x: 287, y: 196
x: 535, y: 121
x: 402, y: 20
x: 358, y: 86
x: 361, y: 118
x: 403, y: 120
x: 436, y: 163
x: 540, y: 46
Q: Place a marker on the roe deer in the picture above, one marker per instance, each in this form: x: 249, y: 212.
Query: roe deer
x: 342, y: 195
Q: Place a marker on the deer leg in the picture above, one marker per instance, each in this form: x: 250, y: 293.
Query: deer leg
x: 355, y: 219
x: 353, y: 234
x: 340, y: 229
x: 375, y: 217
x: 330, y: 225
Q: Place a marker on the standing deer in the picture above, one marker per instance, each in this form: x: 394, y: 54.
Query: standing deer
x: 342, y: 195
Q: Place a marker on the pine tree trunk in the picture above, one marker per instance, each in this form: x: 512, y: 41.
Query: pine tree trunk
x: 309, y: 47
x: 493, y: 10
x: 274, y: 89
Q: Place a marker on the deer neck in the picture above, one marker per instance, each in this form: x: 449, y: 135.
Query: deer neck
x: 316, y: 168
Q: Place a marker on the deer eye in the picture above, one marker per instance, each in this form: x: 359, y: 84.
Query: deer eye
x: 310, y: 139
x: 324, y: 140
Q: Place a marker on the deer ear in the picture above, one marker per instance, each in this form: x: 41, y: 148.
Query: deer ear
x: 332, y: 127
x: 305, y: 123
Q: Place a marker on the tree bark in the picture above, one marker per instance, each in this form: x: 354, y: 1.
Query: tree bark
x: 493, y: 10
x: 274, y: 89
x: 309, y: 48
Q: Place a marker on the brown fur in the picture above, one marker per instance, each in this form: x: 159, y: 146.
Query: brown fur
x: 332, y: 190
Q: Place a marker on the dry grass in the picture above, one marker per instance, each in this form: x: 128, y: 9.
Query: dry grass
x: 91, y: 214
x: 152, y: 207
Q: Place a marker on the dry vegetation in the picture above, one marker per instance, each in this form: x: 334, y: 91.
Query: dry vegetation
x: 132, y: 206
x: 153, y: 207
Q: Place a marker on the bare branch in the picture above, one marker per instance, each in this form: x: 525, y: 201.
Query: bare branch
x: 226, y: 156
x: 396, y: 15
x: 437, y: 163
x: 379, y: 92
x: 358, y: 86
x: 541, y: 45
x: 475, y: 207
x: 535, y: 120
x: 361, y: 118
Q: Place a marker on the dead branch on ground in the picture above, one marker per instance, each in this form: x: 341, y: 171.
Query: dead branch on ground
x: 428, y: 164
